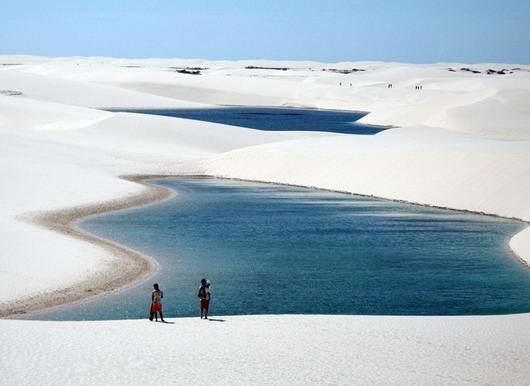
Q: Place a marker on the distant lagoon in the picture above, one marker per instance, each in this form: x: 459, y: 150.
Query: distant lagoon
x: 274, y: 119
x: 272, y: 249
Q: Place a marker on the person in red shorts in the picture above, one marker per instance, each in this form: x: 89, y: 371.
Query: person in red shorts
x: 204, y: 295
x: 156, y: 304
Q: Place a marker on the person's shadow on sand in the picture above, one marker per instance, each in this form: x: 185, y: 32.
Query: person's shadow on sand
x: 211, y: 320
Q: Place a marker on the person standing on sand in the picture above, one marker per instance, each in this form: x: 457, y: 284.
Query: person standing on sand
x: 156, y: 304
x: 208, y: 293
x: 204, y: 295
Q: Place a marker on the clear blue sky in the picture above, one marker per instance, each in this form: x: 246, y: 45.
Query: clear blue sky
x: 420, y: 31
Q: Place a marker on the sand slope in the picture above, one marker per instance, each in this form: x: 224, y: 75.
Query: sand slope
x: 324, y: 350
x: 410, y: 164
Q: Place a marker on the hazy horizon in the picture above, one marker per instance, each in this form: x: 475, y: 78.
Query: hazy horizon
x: 408, y: 31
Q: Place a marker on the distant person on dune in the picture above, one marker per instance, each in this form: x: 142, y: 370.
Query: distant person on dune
x: 204, y: 295
x: 156, y: 304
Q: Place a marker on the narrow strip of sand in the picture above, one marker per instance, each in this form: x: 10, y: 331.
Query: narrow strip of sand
x: 132, y: 267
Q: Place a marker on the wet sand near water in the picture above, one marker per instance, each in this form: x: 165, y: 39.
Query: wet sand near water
x: 131, y: 267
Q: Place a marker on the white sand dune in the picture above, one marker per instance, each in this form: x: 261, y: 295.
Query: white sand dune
x: 78, y: 93
x: 274, y: 350
x: 463, y: 143
x: 409, y: 164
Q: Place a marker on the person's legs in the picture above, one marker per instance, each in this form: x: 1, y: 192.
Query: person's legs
x: 156, y: 310
x: 161, y: 316
x: 206, y: 307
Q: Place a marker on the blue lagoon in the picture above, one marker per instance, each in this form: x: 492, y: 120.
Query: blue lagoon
x: 274, y: 119
x: 271, y: 249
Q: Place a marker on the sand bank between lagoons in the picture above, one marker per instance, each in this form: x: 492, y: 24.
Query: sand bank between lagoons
x: 132, y: 267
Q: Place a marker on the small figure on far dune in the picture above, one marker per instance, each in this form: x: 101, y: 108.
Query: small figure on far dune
x: 204, y: 295
x: 156, y: 304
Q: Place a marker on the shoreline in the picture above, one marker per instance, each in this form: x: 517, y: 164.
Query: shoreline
x: 130, y: 267
x: 134, y: 267
x: 221, y: 106
x: 515, y: 254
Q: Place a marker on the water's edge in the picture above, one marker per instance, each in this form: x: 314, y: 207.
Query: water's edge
x: 132, y: 268
x: 136, y: 268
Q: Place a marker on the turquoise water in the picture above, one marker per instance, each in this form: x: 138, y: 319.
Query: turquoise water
x: 272, y: 249
x: 274, y: 119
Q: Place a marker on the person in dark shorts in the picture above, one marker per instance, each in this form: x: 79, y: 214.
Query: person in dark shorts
x: 204, y: 295
x: 156, y: 304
